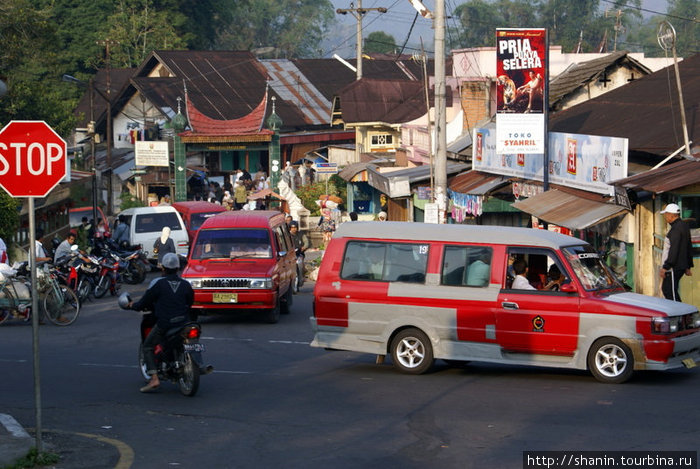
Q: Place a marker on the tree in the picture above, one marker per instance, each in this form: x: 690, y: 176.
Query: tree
x: 478, y: 22
x: 138, y: 28
x: 30, y: 65
x: 380, y: 43
x: 683, y: 15
x: 294, y: 28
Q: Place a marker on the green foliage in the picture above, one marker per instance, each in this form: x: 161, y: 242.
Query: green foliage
x: 380, y: 42
x: 129, y: 201
x: 9, y: 216
x: 35, y: 459
x: 311, y: 193
x: 294, y: 28
x: 137, y: 27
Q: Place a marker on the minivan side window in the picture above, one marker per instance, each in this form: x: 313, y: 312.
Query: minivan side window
x: 148, y: 223
x: 467, y: 266
x: 387, y: 262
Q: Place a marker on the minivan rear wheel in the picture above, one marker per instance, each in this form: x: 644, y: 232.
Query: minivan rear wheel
x: 412, y: 352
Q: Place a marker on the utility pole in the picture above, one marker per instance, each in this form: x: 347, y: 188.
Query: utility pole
x: 107, y: 43
x: 618, y: 26
x: 358, y: 13
x: 440, y: 113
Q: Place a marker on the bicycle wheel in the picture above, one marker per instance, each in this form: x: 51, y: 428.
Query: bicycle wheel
x: 61, y: 305
x: 8, y: 300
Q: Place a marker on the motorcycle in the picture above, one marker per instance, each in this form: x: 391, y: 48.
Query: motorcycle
x: 301, y: 271
x: 109, y: 277
x: 133, y: 261
x: 179, y: 360
x: 78, y: 272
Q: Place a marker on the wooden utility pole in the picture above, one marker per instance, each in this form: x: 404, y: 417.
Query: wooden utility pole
x: 440, y: 113
x: 107, y: 43
x: 358, y: 13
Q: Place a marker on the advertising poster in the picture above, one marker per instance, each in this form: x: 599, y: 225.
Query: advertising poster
x: 521, y: 56
x: 587, y: 162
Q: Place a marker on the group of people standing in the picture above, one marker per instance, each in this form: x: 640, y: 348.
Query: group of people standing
x: 235, y: 191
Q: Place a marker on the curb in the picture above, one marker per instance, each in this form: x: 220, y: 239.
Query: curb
x: 15, y: 442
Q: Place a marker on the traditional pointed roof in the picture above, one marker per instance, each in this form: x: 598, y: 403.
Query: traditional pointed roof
x: 201, y: 124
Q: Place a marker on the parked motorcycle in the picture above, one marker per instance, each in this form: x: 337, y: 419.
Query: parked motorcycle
x: 180, y: 359
x: 108, y: 277
x: 79, y: 273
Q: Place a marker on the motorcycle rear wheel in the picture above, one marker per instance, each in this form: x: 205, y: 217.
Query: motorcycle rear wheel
x: 83, y: 292
x: 189, y: 379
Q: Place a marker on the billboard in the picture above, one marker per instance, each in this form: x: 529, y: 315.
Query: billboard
x: 586, y: 162
x: 521, y: 64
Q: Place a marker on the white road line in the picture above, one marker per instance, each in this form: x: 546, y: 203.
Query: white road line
x: 13, y: 426
x: 293, y: 342
x: 112, y: 365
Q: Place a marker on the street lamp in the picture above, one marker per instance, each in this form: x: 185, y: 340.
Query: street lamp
x: 91, y: 132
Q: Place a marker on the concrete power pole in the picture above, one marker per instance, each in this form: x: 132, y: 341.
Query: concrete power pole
x: 440, y: 113
x: 358, y: 13
x: 107, y: 43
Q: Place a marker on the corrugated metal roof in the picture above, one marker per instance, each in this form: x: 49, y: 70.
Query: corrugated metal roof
x: 293, y: 86
x: 391, y: 102
x: 476, y: 182
x: 568, y: 210
x: 646, y: 111
x: 577, y: 75
x: 666, y: 178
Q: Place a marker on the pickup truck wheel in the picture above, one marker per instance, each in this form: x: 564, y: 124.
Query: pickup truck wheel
x: 610, y: 360
x: 412, y: 352
x: 273, y: 315
x: 287, y: 301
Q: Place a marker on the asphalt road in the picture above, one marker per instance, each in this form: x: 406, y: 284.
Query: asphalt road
x: 273, y: 401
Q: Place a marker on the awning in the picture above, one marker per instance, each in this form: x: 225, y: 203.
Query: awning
x: 568, y: 210
x: 477, y: 183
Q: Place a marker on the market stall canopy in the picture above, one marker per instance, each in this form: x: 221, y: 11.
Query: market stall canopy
x: 568, y: 210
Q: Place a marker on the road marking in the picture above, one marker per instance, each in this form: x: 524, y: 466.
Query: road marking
x: 112, y: 365
x: 293, y: 342
x: 12, y: 426
x: 7, y: 360
x: 126, y: 454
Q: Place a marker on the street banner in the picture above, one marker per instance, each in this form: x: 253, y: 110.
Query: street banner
x: 587, y: 162
x: 521, y: 65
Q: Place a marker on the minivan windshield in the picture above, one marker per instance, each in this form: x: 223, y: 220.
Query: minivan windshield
x: 590, y: 269
x: 232, y: 244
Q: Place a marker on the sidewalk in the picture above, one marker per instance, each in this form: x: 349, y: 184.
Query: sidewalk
x: 15, y: 442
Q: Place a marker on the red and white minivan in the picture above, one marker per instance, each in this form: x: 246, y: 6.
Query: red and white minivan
x: 421, y: 292
x: 242, y: 260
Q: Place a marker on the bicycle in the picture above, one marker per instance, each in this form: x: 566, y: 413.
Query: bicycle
x: 58, y: 303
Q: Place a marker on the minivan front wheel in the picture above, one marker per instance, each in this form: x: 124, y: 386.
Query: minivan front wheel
x: 412, y: 352
x: 610, y: 360
x: 273, y: 315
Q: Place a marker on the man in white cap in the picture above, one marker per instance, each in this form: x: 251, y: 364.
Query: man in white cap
x: 677, y: 256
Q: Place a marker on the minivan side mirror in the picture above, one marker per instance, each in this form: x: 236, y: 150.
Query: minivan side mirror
x: 568, y: 288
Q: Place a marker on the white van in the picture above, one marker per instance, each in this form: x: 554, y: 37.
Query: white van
x: 147, y: 223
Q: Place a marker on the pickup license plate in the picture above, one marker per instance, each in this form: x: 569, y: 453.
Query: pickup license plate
x: 689, y: 363
x: 194, y: 347
x: 225, y: 297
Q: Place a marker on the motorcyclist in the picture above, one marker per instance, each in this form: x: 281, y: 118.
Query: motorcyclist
x: 170, y: 298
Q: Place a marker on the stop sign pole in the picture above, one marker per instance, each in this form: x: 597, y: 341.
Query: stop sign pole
x: 32, y: 162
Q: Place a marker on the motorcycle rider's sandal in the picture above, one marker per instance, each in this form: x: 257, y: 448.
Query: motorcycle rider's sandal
x: 150, y: 387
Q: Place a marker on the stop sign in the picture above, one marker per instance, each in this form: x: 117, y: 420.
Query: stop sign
x: 32, y: 158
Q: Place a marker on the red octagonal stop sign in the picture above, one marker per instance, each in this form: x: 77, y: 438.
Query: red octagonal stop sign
x: 32, y: 158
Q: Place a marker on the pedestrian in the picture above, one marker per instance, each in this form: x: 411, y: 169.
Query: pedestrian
x: 84, y: 230
x: 39, y: 251
x: 677, y: 256
x: 381, y: 216
x: 240, y: 195
x: 163, y: 245
x: 121, y: 232
x: 353, y: 216
x: 3, y: 253
x: 170, y: 298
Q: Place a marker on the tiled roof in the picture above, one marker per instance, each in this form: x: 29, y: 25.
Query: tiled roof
x: 391, y: 102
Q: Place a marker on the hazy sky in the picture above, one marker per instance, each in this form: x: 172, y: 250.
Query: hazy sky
x: 397, y: 22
